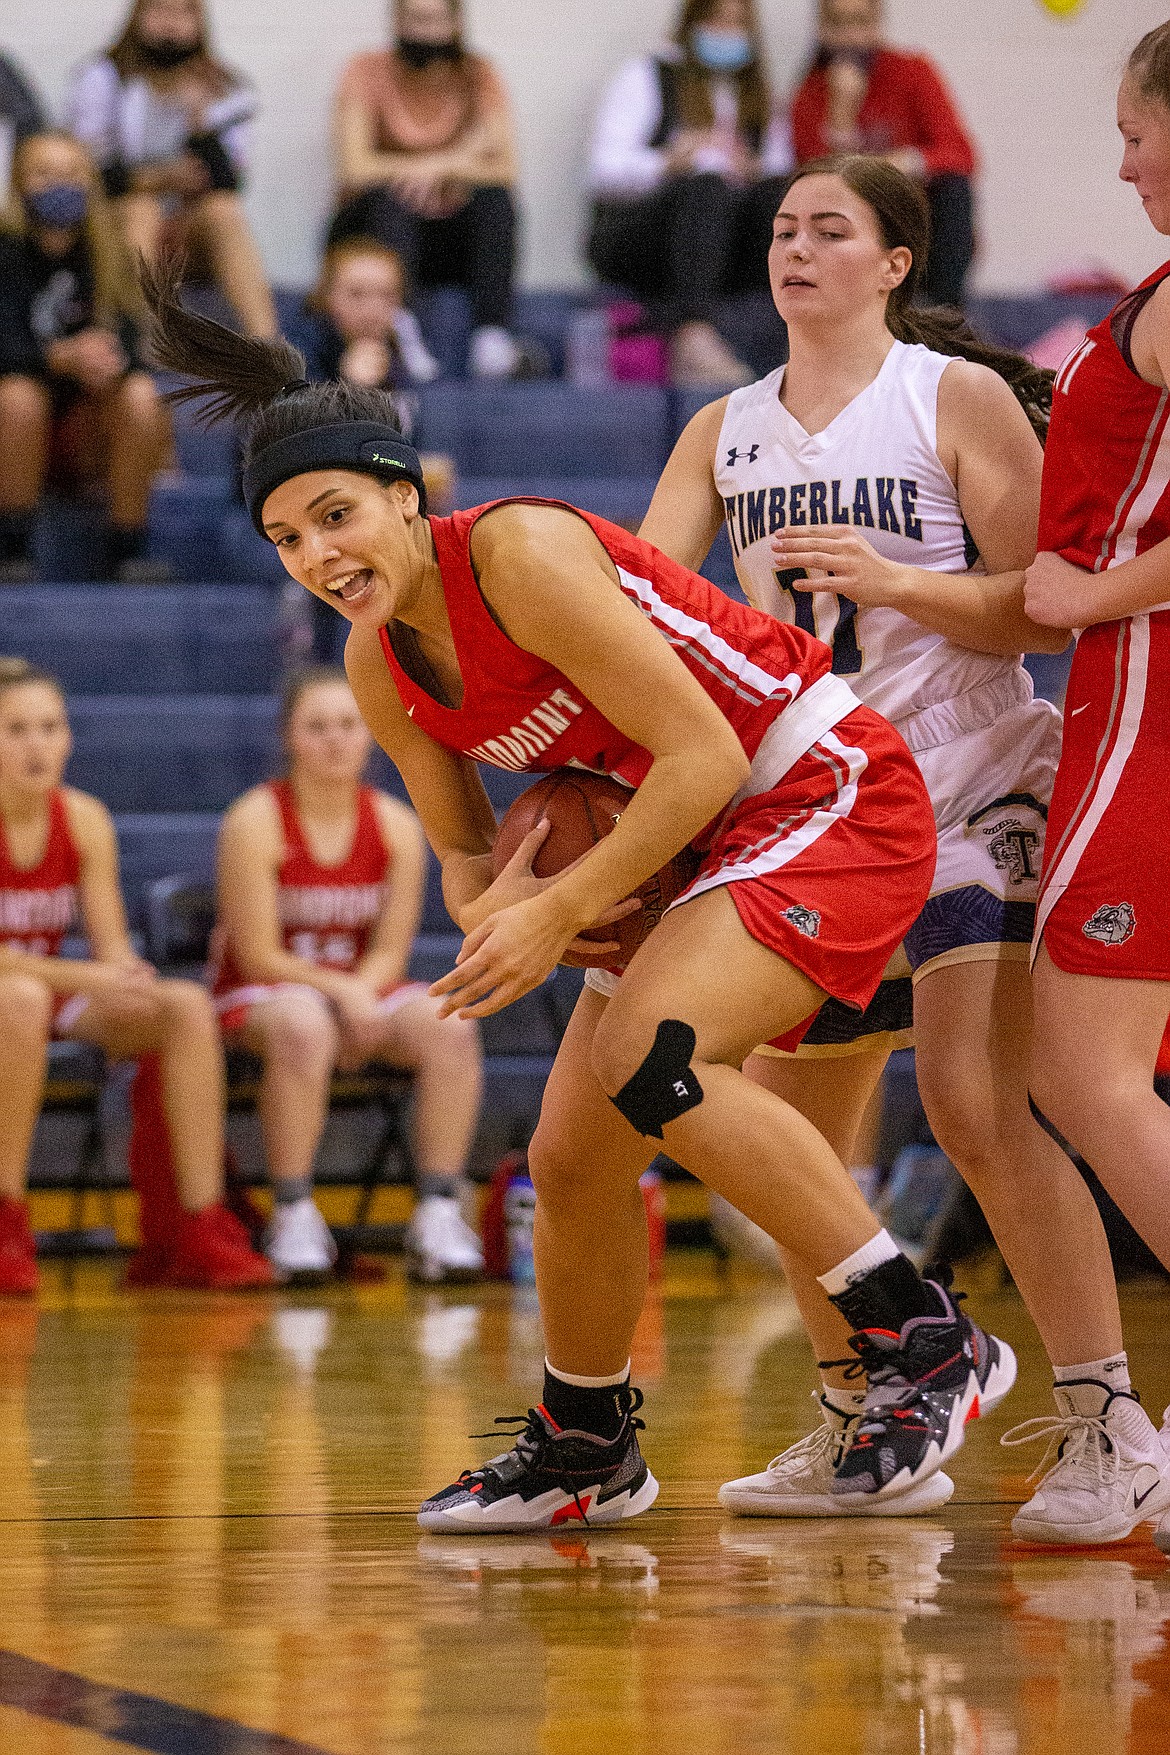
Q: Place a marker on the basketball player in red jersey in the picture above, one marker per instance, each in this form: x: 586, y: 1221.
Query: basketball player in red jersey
x: 321, y: 886
x: 1102, y: 946
x: 533, y: 635
x: 58, y: 858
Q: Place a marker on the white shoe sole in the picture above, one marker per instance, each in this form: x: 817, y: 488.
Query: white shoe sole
x: 745, y: 1500
x: 553, y: 1510
x: 971, y: 1405
x: 1104, y: 1529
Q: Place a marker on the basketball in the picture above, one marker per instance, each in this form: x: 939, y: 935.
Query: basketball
x: 582, y: 808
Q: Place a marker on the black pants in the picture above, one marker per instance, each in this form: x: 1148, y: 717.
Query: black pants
x: 952, y: 239
x: 682, y: 246
x: 474, y: 248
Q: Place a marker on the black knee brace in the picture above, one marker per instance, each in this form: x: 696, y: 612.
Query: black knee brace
x: 664, y: 1086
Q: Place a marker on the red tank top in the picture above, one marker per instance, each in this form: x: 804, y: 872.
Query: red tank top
x: 518, y: 712
x: 327, y: 912
x: 1106, y: 488
x: 38, y: 907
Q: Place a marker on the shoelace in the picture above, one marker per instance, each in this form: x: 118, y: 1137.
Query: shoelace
x: 532, y: 1437
x: 1068, y: 1441
x: 809, y: 1450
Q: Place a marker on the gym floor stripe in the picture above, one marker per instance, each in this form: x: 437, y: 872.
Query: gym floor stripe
x: 129, y: 1720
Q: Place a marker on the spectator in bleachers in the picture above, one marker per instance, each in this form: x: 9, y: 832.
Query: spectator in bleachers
x: 76, y: 405
x: 359, y: 325
x: 58, y: 860
x: 860, y: 95
x: 426, y: 163
x: 321, y: 883
x: 688, y: 151
x: 170, y: 127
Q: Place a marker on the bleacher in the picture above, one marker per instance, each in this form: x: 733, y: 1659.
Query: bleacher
x: 171, y: 688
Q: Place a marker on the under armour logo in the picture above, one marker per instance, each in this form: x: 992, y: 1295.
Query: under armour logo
x: 749, y: 456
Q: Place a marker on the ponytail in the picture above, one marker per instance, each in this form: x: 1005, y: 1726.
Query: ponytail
x: 260, y: 383
x: 944, y: 330
x: 903, y: 217
x: 235, y: 376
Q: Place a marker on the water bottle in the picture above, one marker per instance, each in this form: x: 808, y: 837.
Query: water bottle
x: 587, y: 348
x: 519, y: 1213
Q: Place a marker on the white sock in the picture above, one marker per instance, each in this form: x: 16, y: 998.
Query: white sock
x: 589, y: 1382
x: 863, y: 1261
x: 843, y: 1401
x: 1113, y: 1372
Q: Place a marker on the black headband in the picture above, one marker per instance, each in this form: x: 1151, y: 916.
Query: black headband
x: 365, y: 445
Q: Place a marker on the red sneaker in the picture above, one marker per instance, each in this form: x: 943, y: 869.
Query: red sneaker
x: 18, y: 1251
x: 148, y: 1266
x: 211, y: 1251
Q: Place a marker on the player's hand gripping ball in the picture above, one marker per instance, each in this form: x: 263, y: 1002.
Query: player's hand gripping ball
x: 583, y: 808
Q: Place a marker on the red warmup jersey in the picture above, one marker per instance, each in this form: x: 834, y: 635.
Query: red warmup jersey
x: 328, y: 913
x: 38, y: 907
x: 520, y: 713
x: 1106, y: 494
x: 1105, y: 500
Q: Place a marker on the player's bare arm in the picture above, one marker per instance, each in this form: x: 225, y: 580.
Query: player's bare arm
x: 988, y: 448
x: 1058, y: 591
x: 386, y: 960
x: 686, y: 511
x: 554, y: 591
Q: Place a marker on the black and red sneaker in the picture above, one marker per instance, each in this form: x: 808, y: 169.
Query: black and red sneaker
x: 925, y: 1383
x: 551, y: 1477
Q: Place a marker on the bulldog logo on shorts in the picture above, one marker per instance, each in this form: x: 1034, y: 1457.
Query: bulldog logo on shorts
x: 1112, y: 924
x: 805, y: 920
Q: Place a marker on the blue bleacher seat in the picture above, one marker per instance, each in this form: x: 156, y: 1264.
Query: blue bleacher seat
x: 545, y: 428
x: 156, y: 752
x: 186, y: 513
x: 623, y: 499
x: 160, y: 844
x: 98, y: 638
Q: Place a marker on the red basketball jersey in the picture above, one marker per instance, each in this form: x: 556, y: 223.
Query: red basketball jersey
x: 519, y: 712
x: 38, y: 907
x: 1106, y: 491
x: 327, y: 912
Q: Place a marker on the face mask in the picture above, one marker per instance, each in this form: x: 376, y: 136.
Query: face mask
x: 862, y: 59
x: 60, y: 207
x: 722, y: 51
x: 422, y: 55
x: 166, y: 52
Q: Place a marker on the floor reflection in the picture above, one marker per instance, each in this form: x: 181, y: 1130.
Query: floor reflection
x: 209, y: 1502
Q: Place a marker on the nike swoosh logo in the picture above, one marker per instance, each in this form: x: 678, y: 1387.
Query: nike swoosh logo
x: 1139, y: 1499
x: 410, y: 712
x: 1077, y: 710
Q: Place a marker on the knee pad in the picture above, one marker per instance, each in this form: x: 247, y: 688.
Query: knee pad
x: 664, y: 1086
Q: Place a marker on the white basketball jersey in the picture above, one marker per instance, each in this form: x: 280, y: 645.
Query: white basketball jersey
x: 875, y: 467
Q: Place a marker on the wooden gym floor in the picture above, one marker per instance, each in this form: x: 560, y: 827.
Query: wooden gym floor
x: 208, y: 1547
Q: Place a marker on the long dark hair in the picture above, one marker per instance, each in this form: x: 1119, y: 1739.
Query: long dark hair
x: 694, y: 80
x: 261, y: 384
x: 1150, y: 64
x: 903, y: 217
x: 127, y: 56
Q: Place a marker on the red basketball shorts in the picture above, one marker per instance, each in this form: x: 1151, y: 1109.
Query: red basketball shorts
x: 1103, y: 907
x: 234, y: 1007
x: 832, y: 866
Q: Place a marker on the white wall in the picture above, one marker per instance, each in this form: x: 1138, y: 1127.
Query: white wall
x: 1038, y: 92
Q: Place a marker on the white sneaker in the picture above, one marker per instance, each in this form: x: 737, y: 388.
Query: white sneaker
x: 493, y: 353
x: 799, y: 1482
x: 440, y: 1244
x: 298, y: 1242
x: 1162, y: 1532
x: 1111, y: 1471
